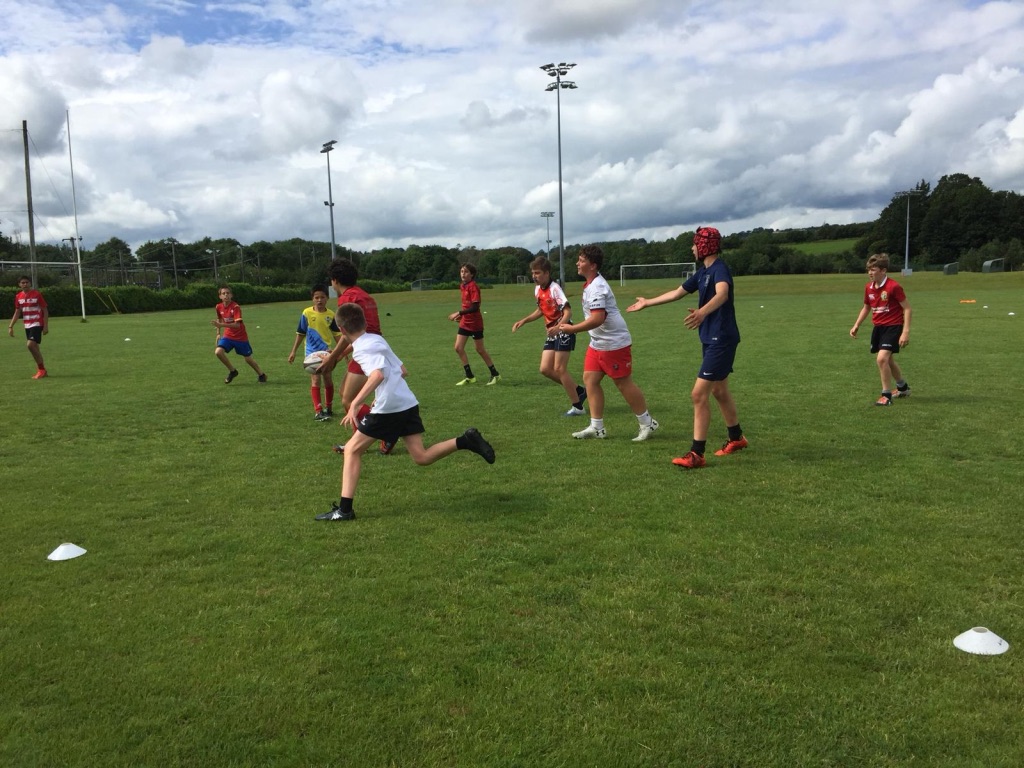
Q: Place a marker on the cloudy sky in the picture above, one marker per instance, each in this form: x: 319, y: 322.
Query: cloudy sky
x: 191, y: 119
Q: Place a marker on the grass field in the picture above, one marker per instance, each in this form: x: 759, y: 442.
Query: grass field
x: 819, y: 247
x: 578, y: 603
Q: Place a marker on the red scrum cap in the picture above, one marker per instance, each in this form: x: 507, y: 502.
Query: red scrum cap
x: 708, y: 241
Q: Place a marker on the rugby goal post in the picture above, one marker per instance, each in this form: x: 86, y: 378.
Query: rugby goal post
x: 683, y: 269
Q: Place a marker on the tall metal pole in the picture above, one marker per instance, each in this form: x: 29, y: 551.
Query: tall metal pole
x: 329, y: 202
x: 31, y: 213
x: 558, y: 71
x: 906, y: 256
x: 74, y: 207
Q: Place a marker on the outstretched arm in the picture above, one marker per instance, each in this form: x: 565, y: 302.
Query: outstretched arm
x: 669, y: 296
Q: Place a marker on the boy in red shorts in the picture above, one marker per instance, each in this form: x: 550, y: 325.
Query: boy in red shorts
x: 610, y: 349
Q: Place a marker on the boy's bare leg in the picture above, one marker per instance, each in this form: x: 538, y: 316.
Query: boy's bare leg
x: 633, y: 395
x: 353, y: 463
x: 423, y: 455
x: 700, y: 395
x: 595, y: 393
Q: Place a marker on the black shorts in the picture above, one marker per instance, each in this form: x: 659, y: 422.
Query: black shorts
x: 391, y: 426
x: 886, y: 337
x: 475, y: 334
x: 560, y: 342
x: 35, y: 334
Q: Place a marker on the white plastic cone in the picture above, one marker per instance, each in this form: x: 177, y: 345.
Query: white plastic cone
x: 66, y: 552
x: 981, y: 641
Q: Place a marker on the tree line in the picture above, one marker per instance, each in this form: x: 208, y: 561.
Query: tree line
x: 961, y: 221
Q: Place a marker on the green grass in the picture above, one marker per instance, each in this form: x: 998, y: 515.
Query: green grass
x: 578, y: 603
x: 818, y: 247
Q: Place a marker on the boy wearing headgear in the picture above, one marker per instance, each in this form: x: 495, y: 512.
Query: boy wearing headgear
x: 715, y: 317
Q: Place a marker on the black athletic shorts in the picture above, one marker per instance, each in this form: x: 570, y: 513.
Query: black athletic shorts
x: 35, y: 334
x: 886, y: 337
x: 391, y: 426
x: 475, y: 334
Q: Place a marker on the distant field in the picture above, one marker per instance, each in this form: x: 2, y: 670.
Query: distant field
x: 578, y: 603
x: 824, y: 246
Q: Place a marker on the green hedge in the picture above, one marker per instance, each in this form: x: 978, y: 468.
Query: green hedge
x: 65, y: 301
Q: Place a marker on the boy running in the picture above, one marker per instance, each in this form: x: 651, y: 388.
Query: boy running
x: 232, y: 336
x: 395, y: 412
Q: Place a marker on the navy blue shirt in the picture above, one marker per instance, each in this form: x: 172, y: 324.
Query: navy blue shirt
x: 720, y: 326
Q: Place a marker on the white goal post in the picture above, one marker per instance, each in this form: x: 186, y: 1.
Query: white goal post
x: 683, y: 269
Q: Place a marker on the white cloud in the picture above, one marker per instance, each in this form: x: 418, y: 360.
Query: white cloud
x: 194, y: 119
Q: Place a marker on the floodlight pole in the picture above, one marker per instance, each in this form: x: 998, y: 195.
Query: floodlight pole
x: 329, y: 202
x: 907, y: 193
x: 547, y: 218
x: 558, y: 72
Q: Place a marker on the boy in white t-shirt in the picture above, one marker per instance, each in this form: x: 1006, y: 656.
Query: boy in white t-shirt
x: 610, y: 350
x: 395, y: 412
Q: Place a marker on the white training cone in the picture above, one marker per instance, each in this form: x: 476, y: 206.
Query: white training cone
x: 981, y: 641
x: 66, y: 552
x: 127, y: 339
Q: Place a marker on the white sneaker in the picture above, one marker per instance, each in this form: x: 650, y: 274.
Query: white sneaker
x: 574, y: 411
x: 646, y: 430
x: 589, y: 432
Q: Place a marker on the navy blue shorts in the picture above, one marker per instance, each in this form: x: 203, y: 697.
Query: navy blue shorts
x: 886, y: 337
x: 242, y: 348
x: 391, y: 426
x: 717, y: 362
x: 560, y: 342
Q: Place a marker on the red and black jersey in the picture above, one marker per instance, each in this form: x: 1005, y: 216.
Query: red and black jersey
x: 886, y: 301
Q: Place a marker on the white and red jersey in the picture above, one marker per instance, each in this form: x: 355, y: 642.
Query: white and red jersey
x: 32, y: 304
x: 613, y: 333
x: 886, y: 301
x: 551, y: 300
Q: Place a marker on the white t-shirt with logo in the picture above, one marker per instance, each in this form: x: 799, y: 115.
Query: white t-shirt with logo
x: 612, y: 333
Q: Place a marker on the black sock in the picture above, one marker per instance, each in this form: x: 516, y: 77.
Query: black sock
x: 494, y: 371
x: 581, y: 393
x: 578, y: 404
x: 698, y: 447
x: 735, y: 433
x: 344, y: 505
x: 469, y: 371
x: 460, y: 443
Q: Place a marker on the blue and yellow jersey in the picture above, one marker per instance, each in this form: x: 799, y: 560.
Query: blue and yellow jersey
x: 319, y: 329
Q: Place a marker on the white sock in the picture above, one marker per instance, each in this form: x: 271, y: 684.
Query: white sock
x: 597, y: 423
x: 644, y: 419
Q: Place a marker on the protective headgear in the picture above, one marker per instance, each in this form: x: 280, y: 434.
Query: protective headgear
x: 708, y: 241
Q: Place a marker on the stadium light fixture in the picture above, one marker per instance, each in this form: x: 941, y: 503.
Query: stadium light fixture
x: 329, y: 202
x: 558, y: 71
x: 547, y: 218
